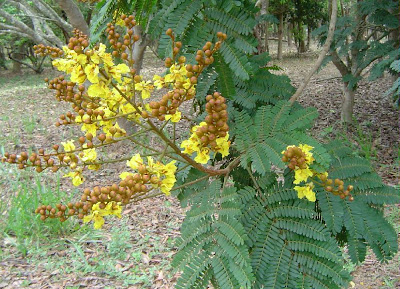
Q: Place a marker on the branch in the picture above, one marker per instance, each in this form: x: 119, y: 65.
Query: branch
x: 47, y: 10
x: 15, y: 32
x: 323, y: 53
x: 343, y: 69
x: 23, y: 63
x: 33, y: 34
x: 15, y: 22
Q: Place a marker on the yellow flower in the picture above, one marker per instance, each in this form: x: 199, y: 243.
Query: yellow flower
x: 101, y: 55
x: 306, y: 149
x: 174, y: 117
x: 168, y: 182
x: 97, y: 214
x: 77, y: 178
x: 88, y: 155
x: 301, y: 175
x: 190, y: 146
x: 177, y: 74
x: 117, y: 71
x: 124, y: 175
x: 223, y: 145
x: 92, y: 72
x: 96, y: 217
x: 90, y: 127
x: 135, y: 162
x: 145, y: 87
x: 68, y: 146
x: 99, y: 89
x: 113, y: 208
x: 78, y: 74
x: 306, y: 192
x: 158, y: 81
x: 203, y: 156
x: 120, y: 22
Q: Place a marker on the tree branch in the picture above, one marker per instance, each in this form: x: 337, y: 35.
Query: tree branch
x: 323, y: 53
x: 47, y: 10
x: 343, y: 69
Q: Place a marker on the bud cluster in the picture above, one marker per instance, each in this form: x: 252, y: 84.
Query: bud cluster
x: 120, y: 44
x: 65, y: 91
x: 63, y: 212
x: 169, y: 103
x: 296, y: 158
x: 66, y: 119
x: 43, y: 50
x: 336, y: 187
x: 137, y: 184
x: 40, y: 161
x: 79, y: 42
x: 216, y: 121
x: 66, y: 158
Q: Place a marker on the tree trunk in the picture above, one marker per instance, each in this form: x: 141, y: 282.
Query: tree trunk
x: 265, y: 5
x: 302, y: 44
x: 308, y: 37
x: 289, y: 34
x: 347, y: 103
x: 139, y: 49
x: 280, y: 36
x: 17, y: 65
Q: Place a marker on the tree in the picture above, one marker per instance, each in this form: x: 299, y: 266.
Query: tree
x: 38, y: 21
x: 355, y: 47
x: 280, y: 8
x: 269, y: 206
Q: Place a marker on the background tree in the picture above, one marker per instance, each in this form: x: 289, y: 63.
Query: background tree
x: 363, y: 38
x: 41, y: 21
x: 280, y: 9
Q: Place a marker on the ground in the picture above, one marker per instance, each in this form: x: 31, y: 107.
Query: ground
x: 135, y: 252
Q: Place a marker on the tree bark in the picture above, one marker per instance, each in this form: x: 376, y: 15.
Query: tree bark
x: 40, y: 14
x: 17, y: 64
x: 347, y: 103
x: 280, y: 35
x: 302, y: 44
x: 74, y: 15
x: 139, y: 48
x: 289, y: 34
x: 308, y: 38
x: 265, y: 5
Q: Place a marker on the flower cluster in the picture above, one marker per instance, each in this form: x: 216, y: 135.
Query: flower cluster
x: 155, y: 174
x: 102, y: 90
x: 299, y: 159
x: 212, y: 134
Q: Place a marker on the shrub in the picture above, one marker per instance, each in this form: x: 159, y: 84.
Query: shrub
x: 269, y: 206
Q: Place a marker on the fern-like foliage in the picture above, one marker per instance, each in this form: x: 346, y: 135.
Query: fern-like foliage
x: 240, y: 76
x: 212, y: 246
x: 262, y: 138
x: 361, y: 222
x: 289, y: 246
